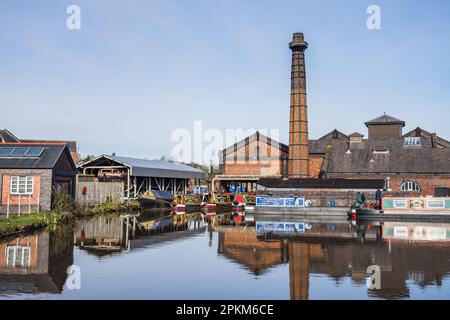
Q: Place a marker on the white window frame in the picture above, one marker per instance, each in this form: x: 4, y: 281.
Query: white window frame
x: 413, y: 141
x: 15, y: 184
x: 410, y: 186
x: 13, y: 250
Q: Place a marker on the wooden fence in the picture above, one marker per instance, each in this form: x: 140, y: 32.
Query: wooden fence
x: 94, y: 192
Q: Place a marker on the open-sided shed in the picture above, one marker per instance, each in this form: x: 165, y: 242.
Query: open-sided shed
x: 140, y: 175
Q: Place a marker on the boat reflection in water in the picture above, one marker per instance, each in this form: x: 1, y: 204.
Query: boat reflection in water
x: 35, y: 263
x: 407, y: 253
x: 108, y: 235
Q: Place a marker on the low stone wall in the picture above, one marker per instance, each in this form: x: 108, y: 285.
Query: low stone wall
x: 14, y: 210
x: 321, y: 198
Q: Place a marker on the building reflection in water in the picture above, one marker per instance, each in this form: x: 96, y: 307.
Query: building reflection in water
x: 105, y: 236
x: 36, y: 263
x: 407, y: 253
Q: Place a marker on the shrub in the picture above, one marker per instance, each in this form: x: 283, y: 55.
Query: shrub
x: 63, y: 202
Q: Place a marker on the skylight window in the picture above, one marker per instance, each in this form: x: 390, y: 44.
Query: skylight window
x: 20, y: 152
x: 34, y: 152
x: 4, y: 152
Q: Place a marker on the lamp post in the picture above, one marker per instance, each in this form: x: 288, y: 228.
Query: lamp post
x: 388, y: 184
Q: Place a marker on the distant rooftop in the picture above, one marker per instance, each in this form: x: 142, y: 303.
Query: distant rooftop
x: 385, y: 119
x: 356, y: 134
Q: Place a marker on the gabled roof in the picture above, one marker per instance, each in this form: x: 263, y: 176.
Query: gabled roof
x: 257, y: 136
x: 385, y: 119
x: 335, y: 134
x: 356, y: 134
x: 47, y: 160
x: 7, y: 136
x: 150, y: 168
x: 335, y: 138
x: 419, y: 132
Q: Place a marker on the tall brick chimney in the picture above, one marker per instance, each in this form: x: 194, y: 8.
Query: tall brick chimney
x: 298, y: 126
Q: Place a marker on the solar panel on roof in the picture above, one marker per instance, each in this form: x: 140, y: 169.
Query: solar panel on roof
x: 5, y: 151
x: 19, y: 152
x: 34, y: 152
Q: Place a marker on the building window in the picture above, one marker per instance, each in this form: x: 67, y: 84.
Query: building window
x: 413, y: 141
x: 410, y: 186
x: 22, y: 185
x: 18, y: 256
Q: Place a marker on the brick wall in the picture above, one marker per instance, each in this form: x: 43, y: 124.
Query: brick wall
x: 427, y: 182
x: 255, y: 158
x: 315, y: 165
x: 321, y: 197
x: 42, y: 190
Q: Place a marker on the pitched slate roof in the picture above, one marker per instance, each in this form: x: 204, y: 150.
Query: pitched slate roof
x: 427, y: 136
x: 385, y: 119
x: 257, y: 136
x: 47, y: 160
x: 6, y: 136
x: 356, y: 134
x: 150, y: 168
x: 398, y: 160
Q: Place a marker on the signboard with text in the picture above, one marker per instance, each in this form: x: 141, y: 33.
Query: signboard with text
x: 268, y: 226
x: 280, y: 202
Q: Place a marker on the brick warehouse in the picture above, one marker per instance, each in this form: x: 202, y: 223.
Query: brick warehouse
x: 31, y: 173
x: 415, y: 163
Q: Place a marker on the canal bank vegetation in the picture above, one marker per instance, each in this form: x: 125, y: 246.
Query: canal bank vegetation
x: 108, y: 208
x: 30, y: 222
x: 64, y: 210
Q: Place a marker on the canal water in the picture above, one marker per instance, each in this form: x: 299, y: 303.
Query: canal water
x: 226, y: 256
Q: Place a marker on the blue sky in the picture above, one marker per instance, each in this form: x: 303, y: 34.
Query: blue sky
x: 137, y: 70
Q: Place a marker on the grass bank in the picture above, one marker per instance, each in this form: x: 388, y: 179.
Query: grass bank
x: 29, y: 222
x: 108, y: 208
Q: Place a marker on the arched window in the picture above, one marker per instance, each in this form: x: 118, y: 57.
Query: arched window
x: 410, y: 186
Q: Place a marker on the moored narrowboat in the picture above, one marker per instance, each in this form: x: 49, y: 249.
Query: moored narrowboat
x: 207, y: 203
x: 223, y: 203
x: 408, y: 207
x: 187, y: 203
x: 250, y: 202
x: 238, y: 202
x: 155, y: 199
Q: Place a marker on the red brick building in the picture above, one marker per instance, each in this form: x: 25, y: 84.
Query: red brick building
x: 414, y: 163
x: 30, y: 174
x: 245, y: 162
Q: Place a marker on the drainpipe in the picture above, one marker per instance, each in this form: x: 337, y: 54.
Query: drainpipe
x: 128, y: 184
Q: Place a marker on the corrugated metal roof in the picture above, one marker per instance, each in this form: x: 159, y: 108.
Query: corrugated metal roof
x: 153, y: 168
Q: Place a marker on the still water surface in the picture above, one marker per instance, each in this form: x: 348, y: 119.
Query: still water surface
x: 192, y: 256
